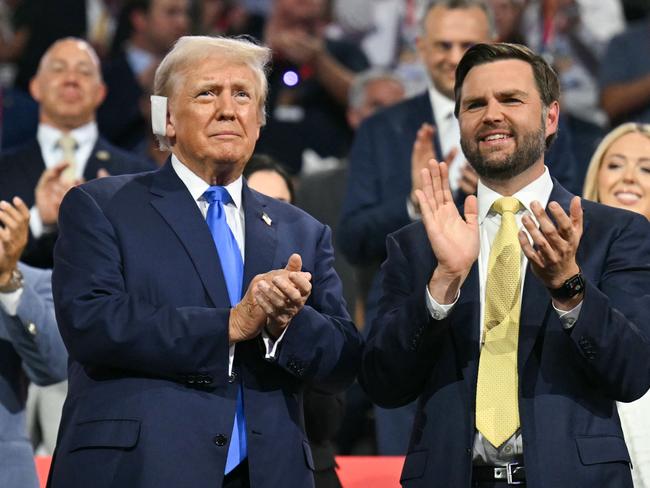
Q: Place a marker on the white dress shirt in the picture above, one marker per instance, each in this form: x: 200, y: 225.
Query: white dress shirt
x: 235, y: 219
x: 448, y: 133
x: 48, y: 140
x: 489, y: 223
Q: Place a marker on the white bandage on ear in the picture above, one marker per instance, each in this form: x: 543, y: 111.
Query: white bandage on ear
x: 159, y: 115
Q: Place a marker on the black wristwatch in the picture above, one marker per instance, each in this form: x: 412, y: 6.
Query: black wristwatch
x: 571, y: 287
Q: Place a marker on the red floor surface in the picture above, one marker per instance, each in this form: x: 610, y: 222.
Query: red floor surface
x: 354, y: 471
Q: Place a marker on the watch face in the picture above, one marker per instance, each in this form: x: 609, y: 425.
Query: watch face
x: 571, y: 287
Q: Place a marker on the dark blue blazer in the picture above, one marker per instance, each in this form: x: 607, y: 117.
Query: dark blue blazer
x: 380, y: 177
x: 568, y: 380
x: 143, y: 309
x: 21, y: 168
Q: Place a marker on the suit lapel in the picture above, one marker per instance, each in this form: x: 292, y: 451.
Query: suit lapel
x: 99, y: 158
x: 174, y: 203
x: 261, y: 236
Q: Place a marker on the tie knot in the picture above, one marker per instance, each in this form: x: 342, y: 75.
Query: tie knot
x: 217, y: 194
x: 67, y: 142
x: 506, y: 204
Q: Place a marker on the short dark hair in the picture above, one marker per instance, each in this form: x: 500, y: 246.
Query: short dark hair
x: 546, y: 79
x: 263, y: 162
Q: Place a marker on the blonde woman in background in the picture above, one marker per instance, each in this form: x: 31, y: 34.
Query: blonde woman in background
x: 619, y: 176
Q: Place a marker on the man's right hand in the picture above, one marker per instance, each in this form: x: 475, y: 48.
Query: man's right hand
x: 454, y: 239
x: 248, y: 318
x: 50, y: 190
x: 423, y: 152
x: 14, y: 233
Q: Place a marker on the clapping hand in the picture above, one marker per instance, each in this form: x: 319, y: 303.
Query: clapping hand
x: 13, y: 236
x: 454, y: 239
x: 423, y: 151
x: 271, y: 301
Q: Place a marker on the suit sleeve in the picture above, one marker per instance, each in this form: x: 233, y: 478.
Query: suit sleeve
x: 612, y: 334
x: 400, y: 352
x: 368, y: 216
x: 33, y: 330
x: 322, y: 344
x: 104, y: 325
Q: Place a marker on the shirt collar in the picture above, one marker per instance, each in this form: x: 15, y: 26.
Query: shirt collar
x: 539, y: 189
x: 49, y: 136
x: 197, y: 186
x: 440, y: 104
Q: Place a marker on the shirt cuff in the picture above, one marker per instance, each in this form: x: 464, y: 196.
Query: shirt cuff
x: 270, y: 344
x: 568, y: 317
x: 10, y: 301
x: 412, y: 211
x: 36, y: 224
x: 436, y: 310
x: 231, y: 358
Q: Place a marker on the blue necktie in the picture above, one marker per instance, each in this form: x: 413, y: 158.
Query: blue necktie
x: 233, y: 272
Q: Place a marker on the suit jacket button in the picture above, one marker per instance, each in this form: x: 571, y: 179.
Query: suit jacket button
x: 220, y: 440
x: 232, y: 377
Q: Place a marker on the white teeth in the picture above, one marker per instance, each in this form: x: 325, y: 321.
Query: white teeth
x: 628, y: 197
x: 494, y: 137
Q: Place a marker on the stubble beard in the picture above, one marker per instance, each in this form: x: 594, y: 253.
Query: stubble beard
x: 492, y: 167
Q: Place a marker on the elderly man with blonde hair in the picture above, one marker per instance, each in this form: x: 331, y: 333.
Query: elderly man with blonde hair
x: 195, y: 309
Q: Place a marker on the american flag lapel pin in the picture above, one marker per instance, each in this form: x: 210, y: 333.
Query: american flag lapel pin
x: 267, y: 220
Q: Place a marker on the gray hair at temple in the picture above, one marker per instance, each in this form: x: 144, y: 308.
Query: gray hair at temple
x: 191, y: 50
x: 357, y: 92
x: 456, y: 4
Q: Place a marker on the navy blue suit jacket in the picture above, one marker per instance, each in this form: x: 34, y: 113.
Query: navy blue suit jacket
x: 379, y: 182
x: 20, y: 169
x: 143, y: 309
x: 568, y: 380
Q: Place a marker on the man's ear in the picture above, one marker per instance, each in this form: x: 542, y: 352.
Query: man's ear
x: 420, y: 47
x: 100, y: 95
x: 34, y: 89
x: 552, y: 118
x: 171, y: 125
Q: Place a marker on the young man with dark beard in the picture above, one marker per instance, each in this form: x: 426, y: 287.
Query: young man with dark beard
x: 515, y: 323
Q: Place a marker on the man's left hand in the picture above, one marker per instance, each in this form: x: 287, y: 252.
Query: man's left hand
x: 13, y: 236
x: 552, y: 254
x: 284, y: 296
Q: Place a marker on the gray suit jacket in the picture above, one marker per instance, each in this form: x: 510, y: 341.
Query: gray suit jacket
x: 31, y: 349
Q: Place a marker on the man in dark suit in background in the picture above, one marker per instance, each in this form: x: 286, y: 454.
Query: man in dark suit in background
x: 191, y: 341
x: 147, y: 30
x: 67, y: 149
x: 516, y: 326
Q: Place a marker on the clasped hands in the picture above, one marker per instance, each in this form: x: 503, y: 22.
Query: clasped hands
x: 271, y: 301
x: 455, y: 239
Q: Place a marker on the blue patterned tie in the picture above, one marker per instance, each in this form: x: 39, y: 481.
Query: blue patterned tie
x: 233, y: 272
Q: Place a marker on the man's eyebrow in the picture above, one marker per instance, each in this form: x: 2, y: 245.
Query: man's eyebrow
x: 470, y: 100
x: 512, y: 93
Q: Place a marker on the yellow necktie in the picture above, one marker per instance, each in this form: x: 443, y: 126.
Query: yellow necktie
x: 497, y: 406
x: 68, y: 145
